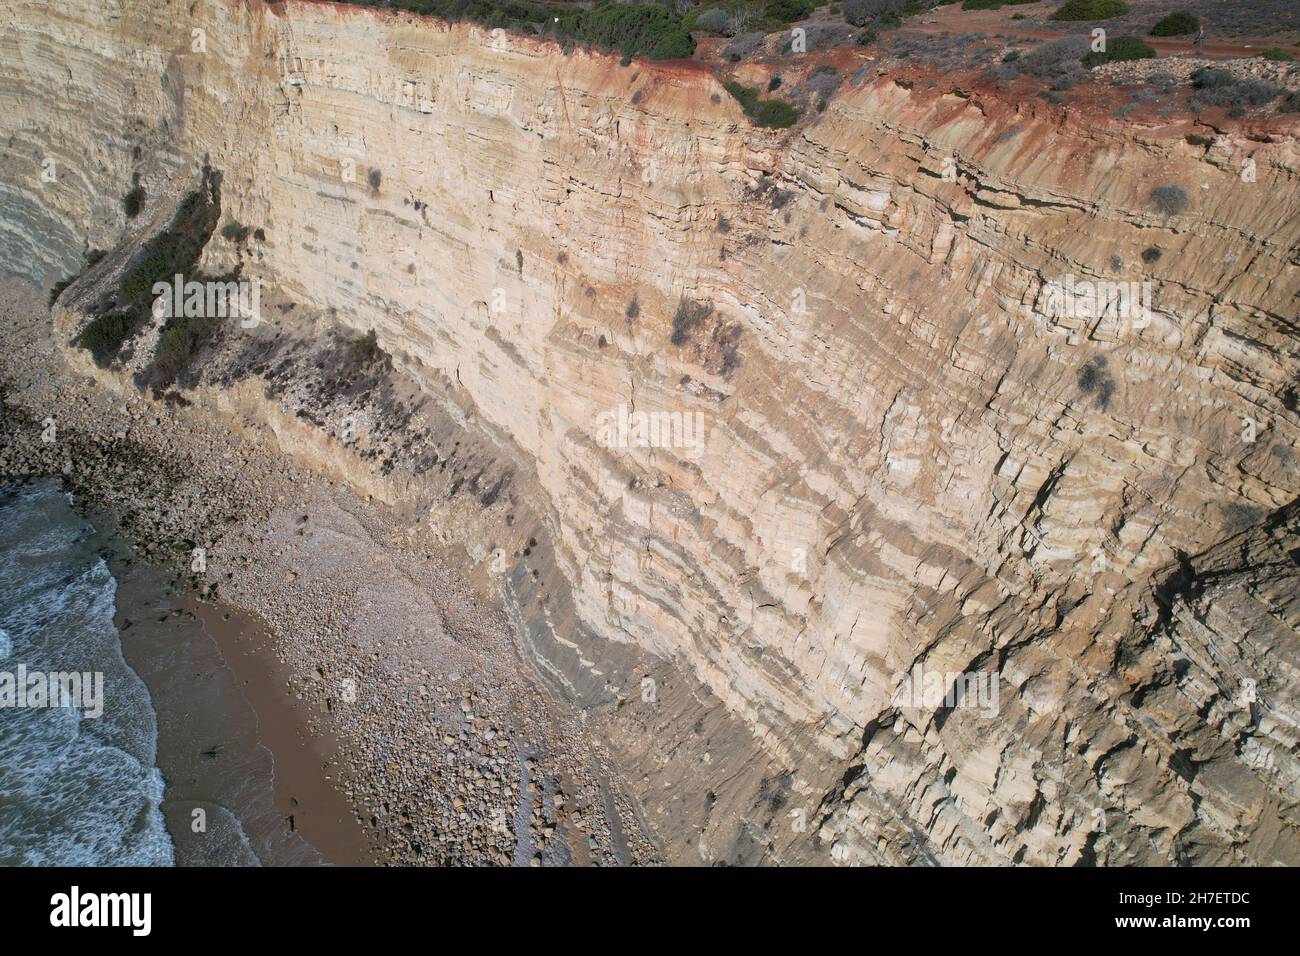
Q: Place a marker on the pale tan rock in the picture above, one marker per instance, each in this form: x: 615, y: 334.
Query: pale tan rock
x: 904, y: 465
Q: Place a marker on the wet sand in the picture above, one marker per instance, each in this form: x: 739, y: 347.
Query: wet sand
x: 246, y: 784
x: 307, y: 788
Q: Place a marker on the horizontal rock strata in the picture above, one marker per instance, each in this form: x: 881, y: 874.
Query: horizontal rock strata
x: 913, y: 450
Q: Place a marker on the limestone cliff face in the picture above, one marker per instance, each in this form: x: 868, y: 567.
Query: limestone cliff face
x: 912, y: 453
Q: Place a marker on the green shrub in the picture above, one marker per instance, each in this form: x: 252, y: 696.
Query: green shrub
x: 364, y: 351
x: 177, y: 247
x: 775, y: 114
x: 769, y: 113
x: 1276, y: 53
x: 92, y: 257
x: 179, y: 342
x: 1129, y: 654
x: 862, y: 12
x: 713, y: 20
x: 1168, y: 200
x: 688, y: 316
x: 235, y: 232
x: 1177, y: 24
x: 1119, y: 49
x: 172, y: 251
x: 1094, y: 380
x: 1091, y: 10
x: 133, y: 201
x: 788, y: 11
x: 1218, y: 87
x: 649, y: 30
x: 992, y: 4
x: 747, y: 97
x: 103, y: 336
x: 1208, y: 77
x: 56, y: 290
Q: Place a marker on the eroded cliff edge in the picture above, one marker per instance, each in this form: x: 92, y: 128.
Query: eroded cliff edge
x: 909, y: 457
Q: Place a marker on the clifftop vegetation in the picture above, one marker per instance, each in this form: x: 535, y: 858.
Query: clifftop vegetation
x: 649, y: 30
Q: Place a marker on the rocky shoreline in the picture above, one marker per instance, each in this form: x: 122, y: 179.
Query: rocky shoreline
x: 230, y: 741
x: 450, y: 754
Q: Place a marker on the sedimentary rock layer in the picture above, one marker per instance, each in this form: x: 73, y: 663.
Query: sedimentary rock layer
x: 913, y: 449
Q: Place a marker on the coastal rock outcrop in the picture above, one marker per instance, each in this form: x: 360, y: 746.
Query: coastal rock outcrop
x: 903, y: 436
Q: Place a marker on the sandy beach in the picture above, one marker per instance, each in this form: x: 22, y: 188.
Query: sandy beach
x: 233, y: 744
x: 308, y: 797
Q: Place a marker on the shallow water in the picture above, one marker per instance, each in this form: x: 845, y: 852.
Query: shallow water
x: 75, y: 789
x: 176, y: 770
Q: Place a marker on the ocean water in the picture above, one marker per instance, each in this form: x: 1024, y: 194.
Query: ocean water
x: 74, y: 789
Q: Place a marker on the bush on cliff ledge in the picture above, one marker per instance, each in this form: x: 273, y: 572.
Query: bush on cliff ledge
x: 1218, y: 87
x: 103, y: 336
x: 1168, y: 200
x: 119, y: 316
x: 133, y: 201
x: 774, y: 114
